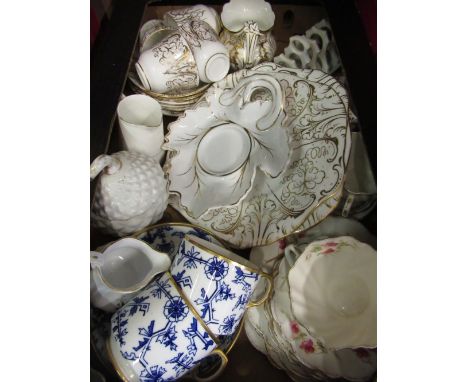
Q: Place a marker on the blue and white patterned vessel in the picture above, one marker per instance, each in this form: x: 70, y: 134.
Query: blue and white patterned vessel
x: 157, y: 336
x: 219, y: 283
x: 167, y: 237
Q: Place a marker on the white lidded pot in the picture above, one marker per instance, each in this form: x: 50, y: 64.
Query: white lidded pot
x: 122, y: 270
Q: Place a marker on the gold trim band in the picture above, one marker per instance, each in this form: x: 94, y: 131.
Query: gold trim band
x: 204, y: 248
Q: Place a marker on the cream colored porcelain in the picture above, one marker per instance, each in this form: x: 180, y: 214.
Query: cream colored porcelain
x: 333, y: 292
x: 168, y: 66
x: 210, y: 54
x: 130, y: 194
x: 275, y: 331
x: 360, y: 189
x: 272, y: 204
x: 141, y: 124
x: 214, y: 153
x: 315, y: 49
x: 249, y: 46
x: 178, y: 17
x: 265, y: 256
x: 152, y: 32
x: 333, y: 226
x: 122, y: 270
x: 237, y: 12
x: 255, y: 338
x: 172, y: 101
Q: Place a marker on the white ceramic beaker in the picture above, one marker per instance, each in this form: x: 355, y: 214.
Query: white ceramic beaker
x: 141, y: 124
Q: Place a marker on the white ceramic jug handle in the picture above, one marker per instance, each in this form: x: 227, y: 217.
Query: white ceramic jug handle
x: 111, y: 163
x: 217, y: 373
x: 291, y: 253
x: 96, y: 259
x: 267, y: 293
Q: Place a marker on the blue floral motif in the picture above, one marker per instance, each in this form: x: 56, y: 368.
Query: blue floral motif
x: 229, y: 324
x: 241, y: 302
x: 159, y: 288
x: 216, y: 269
x: 150, y: 236
x: 199, y: 233
x: 182, y: 363
x: 224, y: 293
x: 153, y: 374
x: 130, y: 356
x: 241, y: 277
x: 168, y: 338
x: 147, y: 334
x: 185, y: 281
x: 138, y: 304
x: 192, y: 333
x: 119, y: 327
x: 178, y: 234
x: 175, y: 309
x: 191, y: 256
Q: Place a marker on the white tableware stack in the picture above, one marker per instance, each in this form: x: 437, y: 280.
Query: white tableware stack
x: 320, y: 322
x: 182, y: 50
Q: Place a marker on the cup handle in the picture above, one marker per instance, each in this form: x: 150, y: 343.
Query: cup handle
x: 217, y: 373
x: 267, y: 294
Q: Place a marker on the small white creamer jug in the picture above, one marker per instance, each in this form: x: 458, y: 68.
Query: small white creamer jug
x: 122, y: 270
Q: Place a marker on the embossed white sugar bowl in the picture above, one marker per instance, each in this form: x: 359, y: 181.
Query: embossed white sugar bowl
x: 122, y: 270
x: 158, y: 336
x: 168, y: 66
x: 219, y: 283
x: 131, y: 192
x: 247, y: 32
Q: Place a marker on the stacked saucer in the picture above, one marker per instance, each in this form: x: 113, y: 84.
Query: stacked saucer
x: 172, y: 103
x: 320, y: 320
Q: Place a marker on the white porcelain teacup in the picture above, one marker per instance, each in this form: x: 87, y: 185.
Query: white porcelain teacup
x: 169, y: 66
x: 141, y: 124
x: 122, y: 270
x: 218, y: 282
x: 197, y: 12
x: 152, y: 32
x: 211, y: 55
x: 158, y: 336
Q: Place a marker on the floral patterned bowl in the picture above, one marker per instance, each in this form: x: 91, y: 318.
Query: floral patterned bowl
x: 333, y: 288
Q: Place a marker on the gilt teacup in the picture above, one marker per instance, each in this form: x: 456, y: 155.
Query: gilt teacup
x: 169, y: 66
x: 158, y: 336
x: 210, y: 54
x: 218, y: 282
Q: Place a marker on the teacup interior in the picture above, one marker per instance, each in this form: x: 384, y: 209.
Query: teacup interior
x: 203, y: 245
x: 139, y: 109
x: 126, y: 267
